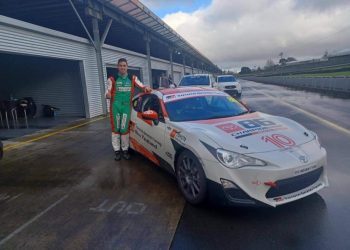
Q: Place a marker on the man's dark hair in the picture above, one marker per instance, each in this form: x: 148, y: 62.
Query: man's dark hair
x: 122, y: 60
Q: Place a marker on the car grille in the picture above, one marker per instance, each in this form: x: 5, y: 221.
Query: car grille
x: 230, y: 87
x: 294, y: 184
x: 231, y: 92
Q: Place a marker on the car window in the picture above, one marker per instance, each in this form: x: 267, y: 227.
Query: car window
x: 226, y: 79
x: 204, y: 108
x: 136, y: 104
x: 215, y: 102
x: 151, y: 102
x: 195, y: 80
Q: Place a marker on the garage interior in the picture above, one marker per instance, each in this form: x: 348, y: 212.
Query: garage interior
x: 156, y: 75
x: 49, y: 84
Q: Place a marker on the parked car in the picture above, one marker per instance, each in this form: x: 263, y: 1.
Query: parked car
x: 217, y: 147
x: 198, y: 80
x: 230, y: 85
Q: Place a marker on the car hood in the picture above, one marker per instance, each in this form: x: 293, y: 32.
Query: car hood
x: 227, y: 83
x: 251, y: 133
x: 194, y: 85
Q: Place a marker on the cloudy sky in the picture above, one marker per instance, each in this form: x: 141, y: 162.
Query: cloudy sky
x: 236, y: 33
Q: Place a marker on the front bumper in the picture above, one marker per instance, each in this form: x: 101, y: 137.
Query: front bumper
x: 267, y: 185
x: 230, y: 197
x: 231, y: 92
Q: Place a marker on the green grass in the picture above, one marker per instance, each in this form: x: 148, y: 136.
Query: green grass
x: 330, y: 74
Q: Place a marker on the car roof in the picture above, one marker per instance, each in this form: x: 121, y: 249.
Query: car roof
x: 172, y: 94
x: 162, y: 93
x: 225, y: 75
x: 177, y: 90
x: 196, y: 75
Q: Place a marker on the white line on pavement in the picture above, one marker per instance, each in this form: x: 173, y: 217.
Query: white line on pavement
x: 14, y: 197
x: 3, y: 241
x: 324, y: 121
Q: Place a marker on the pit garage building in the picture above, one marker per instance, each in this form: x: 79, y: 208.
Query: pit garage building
x: 60, y: 52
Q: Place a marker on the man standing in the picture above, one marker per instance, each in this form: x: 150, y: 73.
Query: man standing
x: 120, y: 92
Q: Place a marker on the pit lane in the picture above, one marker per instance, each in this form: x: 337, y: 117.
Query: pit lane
x: 66, y: 191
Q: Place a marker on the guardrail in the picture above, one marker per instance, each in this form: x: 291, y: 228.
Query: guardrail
x: 338, y: 84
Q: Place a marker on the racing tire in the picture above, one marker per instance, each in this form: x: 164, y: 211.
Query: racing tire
x: 191, y: 178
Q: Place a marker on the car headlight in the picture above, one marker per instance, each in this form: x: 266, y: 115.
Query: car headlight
x: 316, y: 138
x: 235, y: 160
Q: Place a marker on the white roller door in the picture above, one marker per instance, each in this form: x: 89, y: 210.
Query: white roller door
x: 27, y: 39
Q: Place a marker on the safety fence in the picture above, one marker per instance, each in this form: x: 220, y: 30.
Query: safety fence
x: 337, y: 84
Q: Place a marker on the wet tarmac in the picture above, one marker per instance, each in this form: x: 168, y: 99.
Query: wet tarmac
x: 35, y: 125
x: 66, y: 192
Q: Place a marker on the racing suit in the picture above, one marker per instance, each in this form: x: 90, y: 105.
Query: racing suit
x: 121, y: 92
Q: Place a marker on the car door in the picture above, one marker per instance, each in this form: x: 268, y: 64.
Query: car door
x: 147, y: 136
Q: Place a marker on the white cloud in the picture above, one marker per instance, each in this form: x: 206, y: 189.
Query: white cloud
x: 161, y: 3
x: 234, y: 33
x: 320, y: 5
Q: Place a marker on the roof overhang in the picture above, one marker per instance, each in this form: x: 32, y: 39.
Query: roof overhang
x: 145, y: 20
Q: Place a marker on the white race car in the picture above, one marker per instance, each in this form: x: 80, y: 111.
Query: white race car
x: 217, y: 147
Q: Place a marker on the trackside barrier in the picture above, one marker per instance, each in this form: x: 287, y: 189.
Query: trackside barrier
x: 338, y: 84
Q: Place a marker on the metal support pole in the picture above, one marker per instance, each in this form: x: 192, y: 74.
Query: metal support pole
x: 171, y: 50
x: 184, y: 62
x: 98, y: 49
x: 25, y: 117
x: 149, y: 64
x: 82, y: 23
x: 192, y: 67
x: 105, y: 33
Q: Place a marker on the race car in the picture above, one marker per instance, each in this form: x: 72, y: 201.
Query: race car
x: 217, y: 147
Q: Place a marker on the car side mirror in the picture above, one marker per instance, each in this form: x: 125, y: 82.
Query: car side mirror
x: 150, y: 115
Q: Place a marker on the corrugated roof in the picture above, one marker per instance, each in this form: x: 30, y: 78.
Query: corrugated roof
x: 139, y: 13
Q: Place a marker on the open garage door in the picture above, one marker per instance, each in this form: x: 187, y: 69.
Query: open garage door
x: 47, y: 81
x: 156, y: 77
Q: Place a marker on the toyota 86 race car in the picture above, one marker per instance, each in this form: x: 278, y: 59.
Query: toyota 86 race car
x: 217, y: 147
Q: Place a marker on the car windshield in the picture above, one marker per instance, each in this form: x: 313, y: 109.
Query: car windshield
x: 226, y: 79
x: 204, y: 108
x: 194, y: 80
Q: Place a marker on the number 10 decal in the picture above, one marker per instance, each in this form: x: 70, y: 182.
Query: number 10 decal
x: 281, y: 141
